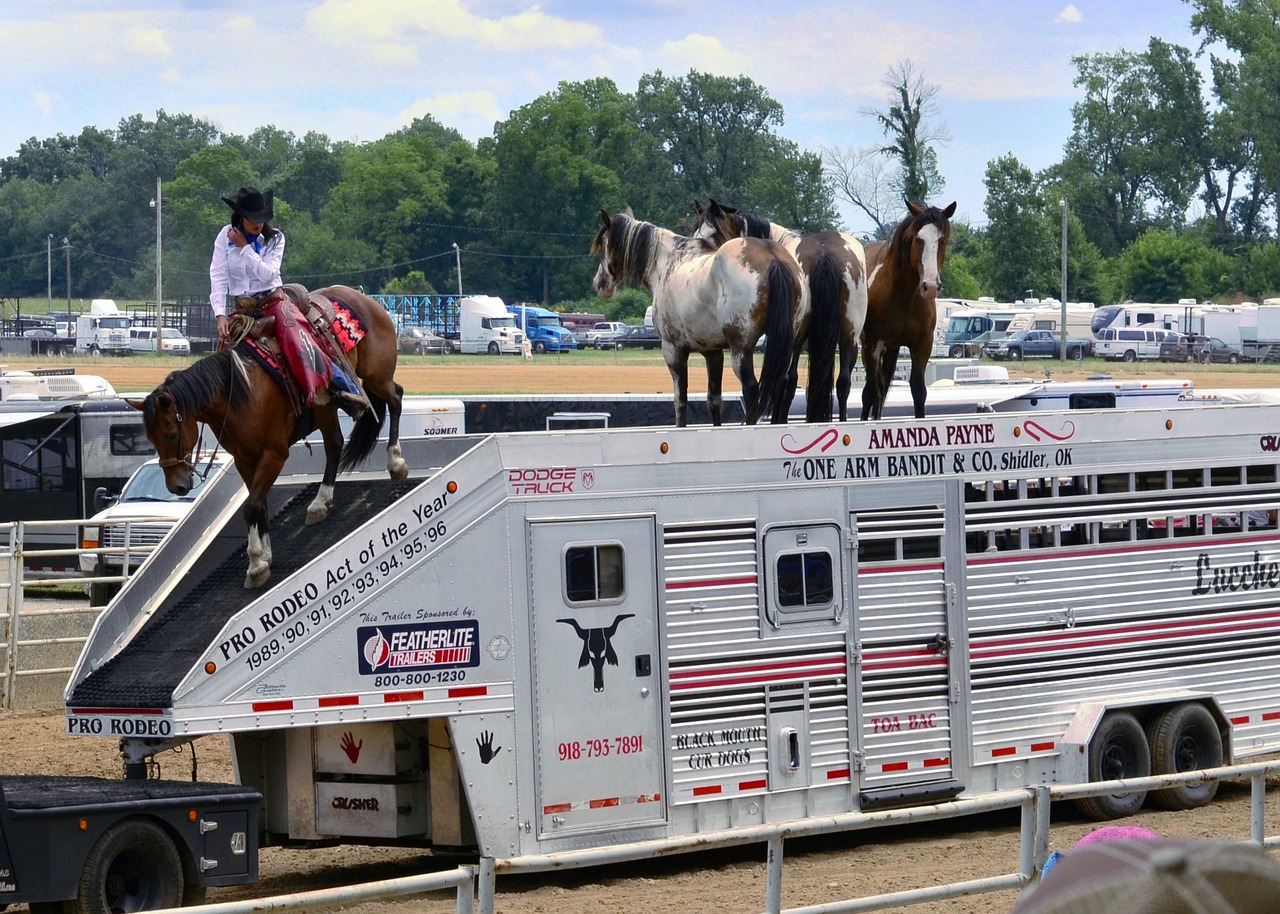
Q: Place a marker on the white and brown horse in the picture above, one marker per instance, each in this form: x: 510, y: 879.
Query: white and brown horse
x: 833, y: 267
x: 707, y: 300
x: 904, y: 276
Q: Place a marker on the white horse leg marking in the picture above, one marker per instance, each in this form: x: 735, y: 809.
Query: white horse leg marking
x: 259, y: 551
x: 397, y: 467
x: 318, y: 510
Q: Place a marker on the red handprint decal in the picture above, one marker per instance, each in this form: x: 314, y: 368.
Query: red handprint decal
x: 351, y: 747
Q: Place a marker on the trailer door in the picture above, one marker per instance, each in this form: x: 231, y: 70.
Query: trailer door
x: 907, y: 665
x: 598, y: 707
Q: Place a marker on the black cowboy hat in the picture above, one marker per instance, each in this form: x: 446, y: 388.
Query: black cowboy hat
x: 252, y: 204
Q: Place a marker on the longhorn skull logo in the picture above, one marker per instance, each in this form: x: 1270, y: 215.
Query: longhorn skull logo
x: 597, y: 648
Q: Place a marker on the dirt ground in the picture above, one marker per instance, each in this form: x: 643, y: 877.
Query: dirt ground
x: 817, y: 870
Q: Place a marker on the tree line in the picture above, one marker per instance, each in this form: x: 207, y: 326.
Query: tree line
x: 1169, y: 186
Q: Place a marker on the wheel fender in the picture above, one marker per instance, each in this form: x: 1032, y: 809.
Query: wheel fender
x: 1073, y: 766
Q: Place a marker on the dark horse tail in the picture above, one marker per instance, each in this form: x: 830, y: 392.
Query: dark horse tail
x: 774, y: 394
x: 364, y: 436
x: 825, y: 315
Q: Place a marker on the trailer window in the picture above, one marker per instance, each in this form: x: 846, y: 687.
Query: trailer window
x: 34, y: 464
x: 130, y: 441
x: 594, y: 573
x: 805, y: 580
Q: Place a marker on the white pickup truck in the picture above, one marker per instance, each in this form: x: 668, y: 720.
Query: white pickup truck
x: 599, y: 329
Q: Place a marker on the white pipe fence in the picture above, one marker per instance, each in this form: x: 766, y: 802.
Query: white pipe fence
x: 1033, y: 850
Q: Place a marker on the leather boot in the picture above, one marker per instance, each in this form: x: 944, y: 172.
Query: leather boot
x: 353, y: 404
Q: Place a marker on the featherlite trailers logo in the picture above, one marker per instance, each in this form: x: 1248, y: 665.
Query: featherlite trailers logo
x: 417, y: 648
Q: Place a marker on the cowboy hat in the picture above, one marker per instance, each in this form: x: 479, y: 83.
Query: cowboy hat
x: 252, y: 204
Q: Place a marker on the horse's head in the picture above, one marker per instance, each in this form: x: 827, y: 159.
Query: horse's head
x: 172, y: 434
x: 718, y: 224
x: 624, y: 244
x: 921, y: 239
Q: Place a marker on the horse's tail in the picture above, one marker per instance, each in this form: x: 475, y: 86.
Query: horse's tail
x: 364, y: 436
x: 780, y: 330
x: 825, y: 283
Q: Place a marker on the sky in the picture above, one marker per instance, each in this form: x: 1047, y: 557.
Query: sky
x: 357, y: 70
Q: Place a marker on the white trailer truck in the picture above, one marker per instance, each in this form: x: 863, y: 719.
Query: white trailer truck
x: 486, y: 326
x: 104, y: 330
x: 550, y: 641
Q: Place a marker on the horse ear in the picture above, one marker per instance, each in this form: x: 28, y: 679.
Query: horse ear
x: 628, y: 212
x: 950, y: 210
x: 604, y: 217
x: 136, y: 404
x: 914, y: 209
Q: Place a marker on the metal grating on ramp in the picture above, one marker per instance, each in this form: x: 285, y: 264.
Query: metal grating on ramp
x: 147, y: 670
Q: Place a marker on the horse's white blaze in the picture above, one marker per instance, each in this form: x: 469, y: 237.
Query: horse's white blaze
x: 930, y: 278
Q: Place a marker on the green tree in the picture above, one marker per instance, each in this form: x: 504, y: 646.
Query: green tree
x: 1247, y: 83
x: 1164, y: 266
x: 912, y: 139
x: 1022, y: 241
x: 1138, y: 142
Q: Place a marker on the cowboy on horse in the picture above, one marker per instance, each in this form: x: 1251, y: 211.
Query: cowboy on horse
x: 244, y: 275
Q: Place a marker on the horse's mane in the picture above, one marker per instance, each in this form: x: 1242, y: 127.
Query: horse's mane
x: 218, y: 375
x: 911, y: 226
x: 756, y: 226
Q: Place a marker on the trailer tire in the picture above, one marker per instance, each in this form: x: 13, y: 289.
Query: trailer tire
x: 1118, y: 750
x: 134, y: 866
x: 1184, y: 737
x: 956, y: 352
x: 101, y: 594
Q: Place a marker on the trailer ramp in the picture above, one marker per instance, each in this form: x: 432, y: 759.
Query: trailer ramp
x: 147, y: 669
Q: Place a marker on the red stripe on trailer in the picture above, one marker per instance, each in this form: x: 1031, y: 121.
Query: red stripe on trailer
x: 602, y: 804
x: 339, y: 701
x: 899, y: 569
x: 837, y: 773
x: 937, y: 762
x: 1042, y: 747
x: 1271, y: 715
x: 704, y: 791
x: 1005, y: 648
x: 264, y: 706
x: 758, y: 672
x: 753, y: 785
x: 895, y: 766
x: 468, y: 691
x: 1004, y: 750
x: 557, y: 807
x: 1236, y: 721
x: 715, y: 582
x: 390, y: 697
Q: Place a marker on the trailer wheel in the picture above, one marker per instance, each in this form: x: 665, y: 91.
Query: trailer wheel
x: 133, y: 867
x: 1184, y: 738
x: 1118, y: 750
x: 956, y: 352
x: 101, y: 594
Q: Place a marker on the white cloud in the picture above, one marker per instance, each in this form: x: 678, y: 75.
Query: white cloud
x: 471, y: 113
x: 397, y: 21
x: 46, y: 102
x: 703, y: 53
x: 1070, y: 14
x: 150, y: 43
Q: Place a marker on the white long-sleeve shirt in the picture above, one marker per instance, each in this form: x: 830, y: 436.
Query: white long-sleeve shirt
x: 243, y: 271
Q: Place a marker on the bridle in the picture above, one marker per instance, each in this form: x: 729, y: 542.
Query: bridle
x: 188, y: 459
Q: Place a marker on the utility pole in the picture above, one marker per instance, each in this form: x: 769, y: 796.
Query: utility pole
x: 1063, y: 328
x: 66, y: 246
x: 457, y: 256
x: 159, y: 287
x: 48, y: 257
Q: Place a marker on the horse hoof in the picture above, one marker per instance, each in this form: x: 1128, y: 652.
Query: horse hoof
x: 316, y: 514
x: 255, y: 579
x: 398, y: 470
